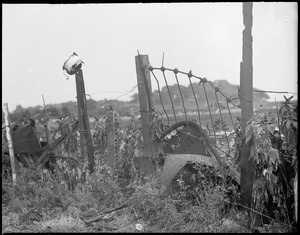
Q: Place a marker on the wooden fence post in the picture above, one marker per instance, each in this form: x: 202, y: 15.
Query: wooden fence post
x: 110, y: 133
x: 83, y: 119
x: 80, y: 119
x: 10, y: 143
x: 246, y: 98
x: 46, y: 121
x: 145, y: 99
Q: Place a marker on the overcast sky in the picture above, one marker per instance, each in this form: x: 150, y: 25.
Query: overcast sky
x: 204, y: 37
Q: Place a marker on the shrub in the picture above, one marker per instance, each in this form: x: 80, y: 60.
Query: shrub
x: 274, y: 150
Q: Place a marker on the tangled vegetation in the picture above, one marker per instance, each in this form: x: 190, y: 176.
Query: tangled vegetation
x: 66, y: 198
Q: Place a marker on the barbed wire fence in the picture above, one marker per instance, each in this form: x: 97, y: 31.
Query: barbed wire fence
x: 217, y: 106
x: 180, y: 110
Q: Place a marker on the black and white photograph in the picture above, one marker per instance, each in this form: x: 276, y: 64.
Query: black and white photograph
x: 170, y: 117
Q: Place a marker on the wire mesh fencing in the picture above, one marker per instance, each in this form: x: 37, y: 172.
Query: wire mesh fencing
x: 201, y: 101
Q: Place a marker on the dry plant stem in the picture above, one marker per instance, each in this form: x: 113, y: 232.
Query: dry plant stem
x: 106, y: 212
x: 287, y: 225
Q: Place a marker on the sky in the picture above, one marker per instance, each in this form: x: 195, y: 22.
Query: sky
x: 203, y: 37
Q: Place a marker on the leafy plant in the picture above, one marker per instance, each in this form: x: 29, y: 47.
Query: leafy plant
x: 288, y: 113
x: 272, y: 150
x: 220, y: 125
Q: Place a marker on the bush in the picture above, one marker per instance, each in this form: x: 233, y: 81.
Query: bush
x: 274, y: 150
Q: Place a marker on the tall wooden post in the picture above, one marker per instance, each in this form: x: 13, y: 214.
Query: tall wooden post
x: 246, y: 98
x: 80, y: 119
x: 10, y: 144
x: 83, y: 119
x: 145, y: 92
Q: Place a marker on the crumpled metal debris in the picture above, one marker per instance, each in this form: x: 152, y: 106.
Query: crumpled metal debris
x: 72, y: 65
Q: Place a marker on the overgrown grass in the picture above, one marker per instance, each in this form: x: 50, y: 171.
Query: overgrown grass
x: 63, y: 210
x: 69, y: 196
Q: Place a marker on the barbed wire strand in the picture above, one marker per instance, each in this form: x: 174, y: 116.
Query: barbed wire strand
x: 208, y: 106
x: 162, y: 104
x: 182, y: 100
x: 246, y: 207
x: 222, y: 118
x: 197, y: 77
x: 280, y: 92
x: 169, y: 94
x: 126, y: 93
x: 195, y: 98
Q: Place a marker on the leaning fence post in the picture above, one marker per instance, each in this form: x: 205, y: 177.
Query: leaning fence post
x: 73, y: 66
x: 78, y: 97
x: 145, y: 99
x: 10, y: 144
x: 246, y: 98
x: 85, y: 120
x: 110, y: 132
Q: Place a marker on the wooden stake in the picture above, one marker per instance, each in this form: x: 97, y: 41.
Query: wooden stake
x: 10, y: 143
x: 246, y: 98
x: 110, y: 132
x: 79, y: 109
x: 46, y: 123
x: 145, y: 99
x: 83, y: 116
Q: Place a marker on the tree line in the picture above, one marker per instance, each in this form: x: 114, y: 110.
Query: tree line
x: 126, y: 108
